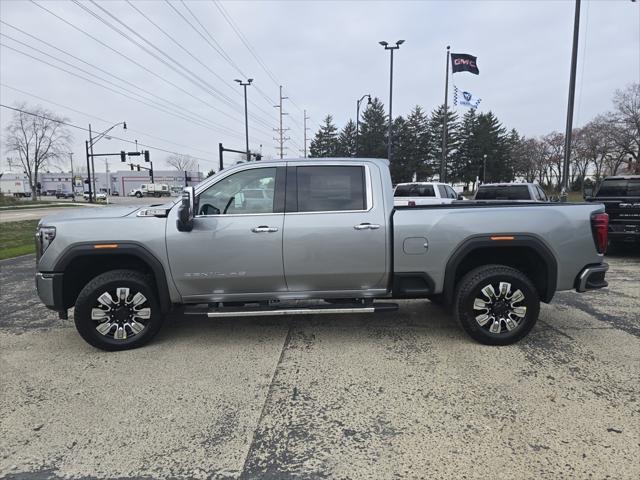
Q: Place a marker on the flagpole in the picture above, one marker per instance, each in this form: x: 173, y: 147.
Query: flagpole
x: 443, y: 172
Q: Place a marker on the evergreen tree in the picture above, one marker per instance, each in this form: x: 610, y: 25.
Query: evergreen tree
x: 435, y: 141
x: 325, y: 142
x: 372, y: 142
x: 347, y: 140
x: 491, y: 138
x: 465, y: 164
x: 418, y: 150
x: 403, y: 141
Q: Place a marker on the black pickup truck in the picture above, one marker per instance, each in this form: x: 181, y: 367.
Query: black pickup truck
x: 621, y: 198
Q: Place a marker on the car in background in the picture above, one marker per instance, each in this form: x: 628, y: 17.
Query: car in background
x: 621, y: 198
x: 518, y: 192
x: 96, y: 195
x: 70, y: 195
x: 424, y: 193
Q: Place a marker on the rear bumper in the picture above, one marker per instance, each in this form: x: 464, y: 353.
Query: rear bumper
x: 49, y: 287
x: 592, y: 277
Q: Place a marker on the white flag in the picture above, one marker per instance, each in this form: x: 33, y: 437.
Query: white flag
x: 465, y: 99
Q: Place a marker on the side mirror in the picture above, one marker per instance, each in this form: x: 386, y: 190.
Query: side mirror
x: 186, y: 210
x: 460, y: 196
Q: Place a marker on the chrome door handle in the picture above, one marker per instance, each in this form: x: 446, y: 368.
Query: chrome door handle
x: 367, y: 226
x: 264, y: 229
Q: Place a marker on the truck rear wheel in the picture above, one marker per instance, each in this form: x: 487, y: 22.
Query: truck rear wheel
x: 118, y: 310
x: 496, y: 304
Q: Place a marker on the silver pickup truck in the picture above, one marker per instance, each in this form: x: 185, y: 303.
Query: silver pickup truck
x: 316, y: 236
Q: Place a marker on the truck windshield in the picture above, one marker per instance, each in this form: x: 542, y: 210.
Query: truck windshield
x: 415, y: 191
x: 620, y: 187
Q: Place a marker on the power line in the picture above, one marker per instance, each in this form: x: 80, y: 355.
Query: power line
x: 102, y: 119
x: 190, y: 117
x: 228, y: 84
x: 217, y: 48
x: 246, y: 42
x: 178, y: 107
x: 222, y: 129
x: 180, y: 71
x: 62, y: 122
x: 130, y: 59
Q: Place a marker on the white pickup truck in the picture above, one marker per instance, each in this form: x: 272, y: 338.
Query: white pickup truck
x: 151, y: 190
x: 424, y: 193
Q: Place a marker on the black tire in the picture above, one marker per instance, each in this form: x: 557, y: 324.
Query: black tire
x: 512, y: 325
x: 87, y: 301
x: 138, y: 194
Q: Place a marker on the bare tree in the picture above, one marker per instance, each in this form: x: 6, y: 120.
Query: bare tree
x: 624, y: 128
x: 39, y: 138
x: 182, y: 163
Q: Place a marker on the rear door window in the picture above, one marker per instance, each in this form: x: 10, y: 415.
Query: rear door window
x: 443, y: 191
x: 331, y: 188
x: 415, y: 191
x: 619, y: 188
x: 486, y: 193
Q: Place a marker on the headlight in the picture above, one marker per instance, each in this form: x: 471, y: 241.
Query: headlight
x: 44, y: 237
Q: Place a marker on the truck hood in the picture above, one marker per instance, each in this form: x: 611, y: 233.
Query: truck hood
x: 83, y: 213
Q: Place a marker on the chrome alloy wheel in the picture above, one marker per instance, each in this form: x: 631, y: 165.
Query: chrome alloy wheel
x: 498, y: 309
x: 122, y: 317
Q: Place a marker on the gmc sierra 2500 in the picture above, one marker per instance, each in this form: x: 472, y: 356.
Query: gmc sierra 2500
x: 313, y: 236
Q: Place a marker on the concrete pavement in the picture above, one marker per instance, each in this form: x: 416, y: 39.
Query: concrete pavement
x: 399, y: 395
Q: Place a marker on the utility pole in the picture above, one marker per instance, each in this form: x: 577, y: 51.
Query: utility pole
x: 73, y: 190
x: 246, y: 115
x: 86, y: 147
x: 93, y: 168
x: 281, y: 130
x: 572, y: 92
x: 305, y: 118
x: 106, y: 169
x: 443, y: 162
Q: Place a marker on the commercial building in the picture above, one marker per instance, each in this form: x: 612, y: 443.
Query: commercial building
x: 113, y: 183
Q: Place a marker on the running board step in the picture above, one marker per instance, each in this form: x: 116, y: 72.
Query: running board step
x: 262, y: 311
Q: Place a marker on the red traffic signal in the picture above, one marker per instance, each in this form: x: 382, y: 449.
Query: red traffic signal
x: 123, y: 156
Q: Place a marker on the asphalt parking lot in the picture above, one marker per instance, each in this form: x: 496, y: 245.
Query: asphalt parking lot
x: 396, y: 395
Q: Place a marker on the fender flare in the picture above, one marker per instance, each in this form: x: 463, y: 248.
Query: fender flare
x: 484, y: 241
x: 87, y: 249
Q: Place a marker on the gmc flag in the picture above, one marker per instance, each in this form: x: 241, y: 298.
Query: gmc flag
x: 462, y: 62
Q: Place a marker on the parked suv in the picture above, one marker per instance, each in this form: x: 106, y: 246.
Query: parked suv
x: 621, y: 198
x: 528, y: 192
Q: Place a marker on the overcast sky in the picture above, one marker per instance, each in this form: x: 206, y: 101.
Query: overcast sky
x: 325, y: 54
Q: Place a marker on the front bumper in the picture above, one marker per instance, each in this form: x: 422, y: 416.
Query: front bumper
x: 49, y: 287
x: 592, y: 277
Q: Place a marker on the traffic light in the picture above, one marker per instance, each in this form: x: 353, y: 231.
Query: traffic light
x: 131, y: 165
x: 123, y: 156
x: 146, y: 155
x: 258, y: 157
x: 86, y: 181
x: 138, y: 167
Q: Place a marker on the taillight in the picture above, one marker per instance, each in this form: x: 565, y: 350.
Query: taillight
x: 411, y: 203
x: 600, y: 231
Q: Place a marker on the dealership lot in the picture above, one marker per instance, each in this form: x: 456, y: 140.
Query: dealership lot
x: 399, y: 395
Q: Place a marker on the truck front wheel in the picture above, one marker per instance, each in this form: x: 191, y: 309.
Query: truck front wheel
x: 118, y: 310
x: 496, y: 304
x: 138, y: 194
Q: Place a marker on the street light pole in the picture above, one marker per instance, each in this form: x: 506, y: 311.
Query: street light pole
x: 484, y: 168
x: 358, y: 117
x: 246, y: 117
x: 89, y: 148
x: 391, y: 49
